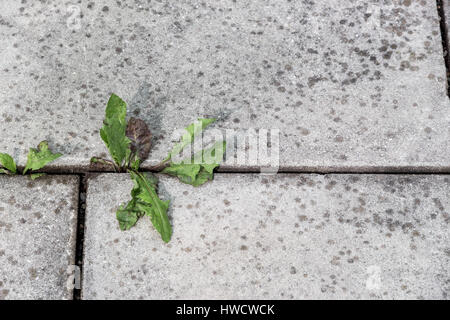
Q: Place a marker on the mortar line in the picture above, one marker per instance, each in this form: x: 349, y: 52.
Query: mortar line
x: 79, y: 256
x: 375, y: 171
x: 444, y: 37
x: 293, y: 172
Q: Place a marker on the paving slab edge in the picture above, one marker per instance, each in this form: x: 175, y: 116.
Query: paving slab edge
x: 79, y: 170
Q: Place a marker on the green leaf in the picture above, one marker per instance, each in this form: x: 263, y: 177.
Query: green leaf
x: 129, y: 215
x: 202, y: 177
x: 135, y: 165
x: 145, y: 200
x: 191, y: 131
x: 35, y: 176
x: 38, y: 158
x: 113, y: 131
x: 8, y: 163
x: 152, y: 205
x: 185, y: 172
x: 198, y: 174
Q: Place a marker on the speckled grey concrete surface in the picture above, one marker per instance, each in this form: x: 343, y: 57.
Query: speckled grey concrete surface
x: 37, y: 236
x: 354, y: 84
x: 275, y: 237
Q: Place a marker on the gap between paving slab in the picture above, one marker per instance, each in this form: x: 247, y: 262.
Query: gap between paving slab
x: 254, y: 169
x: 79, y: 246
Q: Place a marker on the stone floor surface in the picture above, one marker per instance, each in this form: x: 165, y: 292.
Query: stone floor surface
x: 351, y: 86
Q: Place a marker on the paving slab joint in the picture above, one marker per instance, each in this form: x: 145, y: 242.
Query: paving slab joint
x: 80, y: 234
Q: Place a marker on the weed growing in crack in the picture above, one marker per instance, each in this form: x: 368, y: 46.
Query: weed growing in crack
x: 37, y: 159
x: 129, y: 144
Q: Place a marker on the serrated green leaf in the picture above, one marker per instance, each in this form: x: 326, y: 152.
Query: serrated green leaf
x: 202, y: 177
x: 35, y: 176
x: 129, y: 215
x: 192, y: 131
x: 38, y: 158
x: 185, y: 172
x: 145, y: 200
x: 198, y: 174
x: 8, y: 163
x: 113, y: 131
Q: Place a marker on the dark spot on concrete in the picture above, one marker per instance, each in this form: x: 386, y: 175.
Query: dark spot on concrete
x: 312, y: 81
x: 303, y: 131
x: 12, y: 260
x: 12, y: 200
x: 339, y: 139
x: 330, y: 185
x: 3, y: 294
x: 438, y: 204
x: 33, y: 273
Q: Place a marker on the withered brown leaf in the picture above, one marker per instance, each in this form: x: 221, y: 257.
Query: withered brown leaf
x: 140, y: 136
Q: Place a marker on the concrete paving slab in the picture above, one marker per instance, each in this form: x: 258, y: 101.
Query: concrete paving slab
x: 287, y: 236
x: 37, y: 236
x: 354, y: 85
